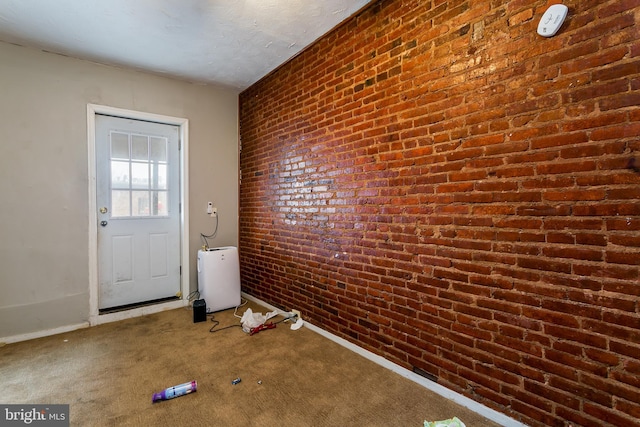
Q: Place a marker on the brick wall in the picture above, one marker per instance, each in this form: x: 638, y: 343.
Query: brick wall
x: 438, y: 184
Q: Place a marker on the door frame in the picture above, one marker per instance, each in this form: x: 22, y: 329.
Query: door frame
x: 95, y: 318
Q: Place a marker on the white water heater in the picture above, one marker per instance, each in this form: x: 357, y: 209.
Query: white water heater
x: 219, y: 278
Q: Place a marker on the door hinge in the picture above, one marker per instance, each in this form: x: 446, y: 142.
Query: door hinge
x: 179, y: 144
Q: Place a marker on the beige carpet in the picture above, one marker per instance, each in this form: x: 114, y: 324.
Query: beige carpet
x: 108, y: 374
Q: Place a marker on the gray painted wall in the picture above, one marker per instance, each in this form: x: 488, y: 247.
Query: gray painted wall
x: 44, y: 218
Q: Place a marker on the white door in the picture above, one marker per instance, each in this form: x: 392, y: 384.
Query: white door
x: 138, y: 201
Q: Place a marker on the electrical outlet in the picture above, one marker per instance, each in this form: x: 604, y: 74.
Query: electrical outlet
x: 209, y: 207
x: 214, y: 212
x: 297, y: 313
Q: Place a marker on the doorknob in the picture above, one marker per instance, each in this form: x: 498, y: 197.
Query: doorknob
x: 103, y: 210
x: 103, y: 223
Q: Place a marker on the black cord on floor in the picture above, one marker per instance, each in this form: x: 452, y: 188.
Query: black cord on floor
x: 216, y: 323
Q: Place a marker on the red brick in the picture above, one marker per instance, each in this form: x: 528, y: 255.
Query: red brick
x: 475, y: 215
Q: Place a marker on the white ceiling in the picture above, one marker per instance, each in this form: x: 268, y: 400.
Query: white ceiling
x: 228, y: 42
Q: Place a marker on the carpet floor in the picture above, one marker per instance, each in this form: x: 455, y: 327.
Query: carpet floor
x: 108, y: 374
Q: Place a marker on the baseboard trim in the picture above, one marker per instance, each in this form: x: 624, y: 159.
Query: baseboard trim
x: 42, y: 334
x: 98, y: 320
x: 468, y: 403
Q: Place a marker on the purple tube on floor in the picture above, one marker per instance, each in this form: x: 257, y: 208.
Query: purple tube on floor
x: 175, y: 391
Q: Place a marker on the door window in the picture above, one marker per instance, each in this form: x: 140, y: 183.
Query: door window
x: 138, y: 175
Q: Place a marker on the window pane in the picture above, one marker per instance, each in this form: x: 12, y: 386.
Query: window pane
x: 120, y: 203
x: 160, y: 203
x: 139, y: 175
x: 119, y: 146
x: 140, y: 203
x: 158, y: 176
x: 158, y: 149
x: 119, y: 174
x: 139, y: 147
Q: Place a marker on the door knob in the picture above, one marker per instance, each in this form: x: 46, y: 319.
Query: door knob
x: 103, y: 223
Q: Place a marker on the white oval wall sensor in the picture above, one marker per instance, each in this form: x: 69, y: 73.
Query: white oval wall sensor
x: 552, y: 20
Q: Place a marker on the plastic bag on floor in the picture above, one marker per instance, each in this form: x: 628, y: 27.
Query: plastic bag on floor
x: 251, y: 320
x: 453, y: 422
